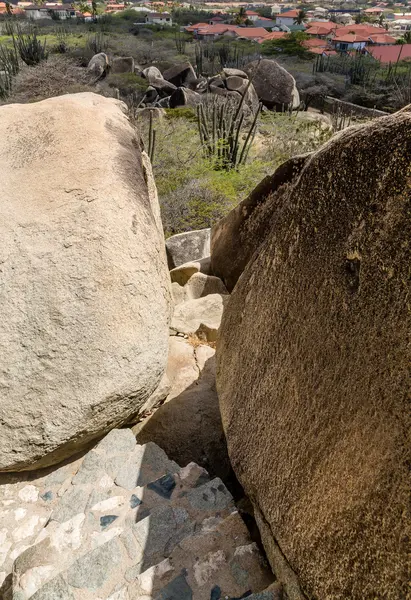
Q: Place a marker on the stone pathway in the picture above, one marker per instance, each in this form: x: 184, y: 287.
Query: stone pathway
x: 126, y: 523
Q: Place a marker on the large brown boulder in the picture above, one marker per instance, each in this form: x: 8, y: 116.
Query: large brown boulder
x: 84, y: 285
x: 275, y: 87
x: 313, y: 370
x: 236, y: 237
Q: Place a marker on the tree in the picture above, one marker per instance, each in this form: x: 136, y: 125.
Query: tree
x: 241, y: 16
x: 406, y: 38
x: 301, y: 18
x: 291, y: 45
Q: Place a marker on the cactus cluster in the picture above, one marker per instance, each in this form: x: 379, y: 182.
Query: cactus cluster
x: 221, y: 126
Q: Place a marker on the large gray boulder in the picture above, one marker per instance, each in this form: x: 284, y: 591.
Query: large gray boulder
x: 188, y: 246
x: 184, y: 97
x: 123, y: 64
x: 98, y: 65
x: 152, y: 73
x: 274, y: 85
x: 84, y: 286
x: 179, y: 75
x: 313, y: 372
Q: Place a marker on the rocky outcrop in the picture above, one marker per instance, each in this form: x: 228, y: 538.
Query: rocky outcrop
x: 200, y: 317
x: 184, y: 97
x: 99, y: 65
x: 313, y: 369
x: 182, y: 74
x: 84, y: 293
x: 187, y: 246
x: 152, y: 73
x: 236, y: 237
x: 123, y: 523
x: 274, y: 85
x: 123, y: 64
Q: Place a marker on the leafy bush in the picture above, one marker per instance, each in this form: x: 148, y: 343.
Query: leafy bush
x: 127, y: 83
x: 288, y: 45
x: 193, y: 206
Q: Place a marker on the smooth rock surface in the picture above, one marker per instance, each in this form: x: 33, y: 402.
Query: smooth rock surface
x: 182, y: 274
x: 180, y: 74
x: 84, y: 292
x: 274, y: 85
x: 198, y: 286
x: 200, y: 318
x: 123, y: 64
x: 184, y: 97
x: 188, y: 425
x: 187, y: 247
x: 313, y: 369
x: 98, y: 64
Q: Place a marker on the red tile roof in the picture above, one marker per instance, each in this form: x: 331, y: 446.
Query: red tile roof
x: 315, y: 43
x: 387, y: 54
x: 360, y: 30
x: 382, y: 38
x: 274, y: 35
x: 350, y: 38
x: 320, y: 30
x: 251, y: 32
x: 290, y: 14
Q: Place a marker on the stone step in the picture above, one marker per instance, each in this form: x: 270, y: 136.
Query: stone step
x: 126, y: 523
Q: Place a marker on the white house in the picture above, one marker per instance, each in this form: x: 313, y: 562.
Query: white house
x: 251, y: 15
x: 163, y: 19
x: 275, y: 9
x: 61, y: 11
x: 287, y: 18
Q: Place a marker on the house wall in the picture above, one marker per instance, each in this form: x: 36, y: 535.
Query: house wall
x: 284, y: 20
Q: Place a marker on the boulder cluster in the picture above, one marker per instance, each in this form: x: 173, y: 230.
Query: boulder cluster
x: 262, y: 81
x: 139, y: 374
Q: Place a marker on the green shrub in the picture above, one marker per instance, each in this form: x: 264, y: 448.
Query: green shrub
x: 127, y: 83
x: 183, y: 112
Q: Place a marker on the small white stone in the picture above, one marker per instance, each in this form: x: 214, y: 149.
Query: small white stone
x: 20, y: 513
x: 120, y: 595
x: 97, y: 539
x: 68, y: 534
x: 34, y: 578
x: 5, y: 545
x: 7, y: 502
x: 152, y: 575
x: 28, y: 528
x: 249, y: 549
x: 29, y: 493
x: 110, y: 503
x: 106, y: 482
x: 204, y: 569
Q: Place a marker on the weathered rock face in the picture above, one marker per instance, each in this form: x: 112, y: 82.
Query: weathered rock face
x: 180, y: 74
x: 84, y: 294
x: 152, y: 73
x: 236, y: 237
x: 188, y: 425
x: 184, y: 97
x: 125, y: 522
x: 187, y: 246
x: 98, y: 64
x: 313, y: 369
x: 123, y: 64
x: 274, y: 85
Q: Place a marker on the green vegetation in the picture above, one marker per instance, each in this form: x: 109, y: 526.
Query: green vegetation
x: 192, y: 193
